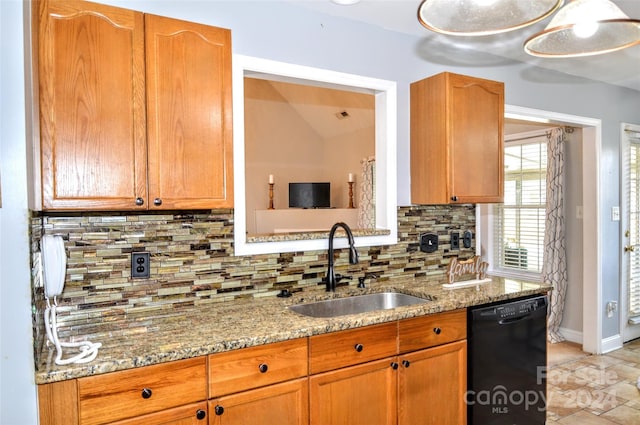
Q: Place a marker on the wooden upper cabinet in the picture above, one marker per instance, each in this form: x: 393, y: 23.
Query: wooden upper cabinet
x: 135, y: 110
x: 92, y: 106
x: 189, y: 118
x: 457, y: 140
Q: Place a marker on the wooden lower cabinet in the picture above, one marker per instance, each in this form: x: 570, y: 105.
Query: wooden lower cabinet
x: 411, y: 372
x: 359, y: 395
x: 432, y: 385
x: 278, y: 404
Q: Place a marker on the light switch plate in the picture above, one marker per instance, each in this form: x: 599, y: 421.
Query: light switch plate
x: 615, y: 213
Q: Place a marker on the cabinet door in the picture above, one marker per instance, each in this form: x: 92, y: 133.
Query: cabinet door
x: 357, y: 395
x: 279, y: 404
x: 432, y: 385
x: 92, y: 106
x: 457, y: 143
x: 192, y: 414
x: 189, y: 114
x: 476, y: 117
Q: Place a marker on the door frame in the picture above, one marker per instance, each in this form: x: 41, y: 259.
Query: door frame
x: 592, y: 340
x: 624, y: 259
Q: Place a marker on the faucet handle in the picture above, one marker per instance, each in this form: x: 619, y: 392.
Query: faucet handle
x: 340, y: 277
x: 361, y: 282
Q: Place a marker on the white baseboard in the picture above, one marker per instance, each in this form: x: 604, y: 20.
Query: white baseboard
x: 608, y: 344
x: 612, y: 343
x: 571, y: 335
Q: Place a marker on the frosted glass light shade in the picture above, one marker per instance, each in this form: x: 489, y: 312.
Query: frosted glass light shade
x: 584, y: 28
x: 483, y: 17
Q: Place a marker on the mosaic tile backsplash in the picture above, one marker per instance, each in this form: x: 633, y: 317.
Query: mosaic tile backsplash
x: 192, y: 262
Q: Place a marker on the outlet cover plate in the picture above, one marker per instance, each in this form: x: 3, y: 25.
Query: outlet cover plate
x: 455, y: 240
x: 428, y: 242
x: 140, y: 265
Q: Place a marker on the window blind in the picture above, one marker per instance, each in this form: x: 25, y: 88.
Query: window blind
x: 520, y: 221
x: 634, y: 223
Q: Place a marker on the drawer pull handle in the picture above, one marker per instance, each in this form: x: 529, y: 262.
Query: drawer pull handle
x: 454, y: 198
x: 201, y: 414
x: 219, y: 410
x: 139, y: 201
x: 147, y: 393
x: 263, y: 367
x: 358, y: 347
x: 406, y: 363
x: 437, y: 331
x: 157, y: 202
x: 394, y: 365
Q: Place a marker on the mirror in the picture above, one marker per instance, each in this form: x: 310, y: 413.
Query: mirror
x: 255, y: 166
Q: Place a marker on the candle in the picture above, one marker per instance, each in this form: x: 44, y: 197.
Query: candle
x: 350, y: 177
x: 270, y: 178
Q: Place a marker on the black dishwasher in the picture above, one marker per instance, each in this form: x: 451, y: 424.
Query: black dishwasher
x: 507, y: 345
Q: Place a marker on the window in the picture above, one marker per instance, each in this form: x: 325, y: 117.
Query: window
x: 519, y: 223
x: 633, y: 232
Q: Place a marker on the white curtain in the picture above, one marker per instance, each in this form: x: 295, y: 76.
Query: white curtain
x: 554, y: 266
x: 367, y: 205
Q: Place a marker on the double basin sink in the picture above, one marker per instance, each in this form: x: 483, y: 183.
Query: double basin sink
x: 357, y: 304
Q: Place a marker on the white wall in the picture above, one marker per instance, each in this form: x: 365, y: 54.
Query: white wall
x: 17, y: 389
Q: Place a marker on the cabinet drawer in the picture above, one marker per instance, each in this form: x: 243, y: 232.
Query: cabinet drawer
x: 254, y: 367
x: 191, y: 414
x: 350, y: 347
x: 435, y: 329
x: 134, y: 392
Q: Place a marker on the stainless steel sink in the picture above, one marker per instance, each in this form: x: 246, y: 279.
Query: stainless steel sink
x: 357, y: 304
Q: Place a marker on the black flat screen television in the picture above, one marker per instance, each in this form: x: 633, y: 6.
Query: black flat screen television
x: 309, y: 195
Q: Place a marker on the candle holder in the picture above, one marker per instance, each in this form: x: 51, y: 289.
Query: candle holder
x: 271, y: 196
x: 351, y: 195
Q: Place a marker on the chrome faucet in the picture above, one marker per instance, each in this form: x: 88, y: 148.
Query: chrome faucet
x: 353, y: 254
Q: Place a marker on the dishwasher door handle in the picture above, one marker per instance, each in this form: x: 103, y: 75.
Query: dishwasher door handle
x: 513, y: 320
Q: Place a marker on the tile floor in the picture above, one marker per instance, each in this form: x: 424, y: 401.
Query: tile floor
x: 585, y: 389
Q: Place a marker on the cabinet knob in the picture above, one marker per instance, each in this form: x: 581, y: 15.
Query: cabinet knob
x: 139, y: 201
x: 437, y: 331
x: 454, y: 198
x: 358, y: 347
x: 201, y: 414
x: 263, y: 367
x: 394, y: 365
x: 406, y: 363
x: 147, y: 393
x: 219, y: 410
x: 157, y: 202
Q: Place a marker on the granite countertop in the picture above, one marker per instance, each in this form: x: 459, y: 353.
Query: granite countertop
x: 142, y: 341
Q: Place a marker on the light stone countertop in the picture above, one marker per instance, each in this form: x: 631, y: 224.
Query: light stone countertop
x: 142, y: 341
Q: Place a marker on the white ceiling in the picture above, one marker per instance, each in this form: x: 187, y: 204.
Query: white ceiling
x: 620, y: 68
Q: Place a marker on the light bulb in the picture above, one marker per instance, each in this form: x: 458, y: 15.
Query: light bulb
x: 485, y: 3
x: 585, y: 29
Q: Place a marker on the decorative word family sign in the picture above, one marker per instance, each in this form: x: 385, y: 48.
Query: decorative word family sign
x: 473, y: 266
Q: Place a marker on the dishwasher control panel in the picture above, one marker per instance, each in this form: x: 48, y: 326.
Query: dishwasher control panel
x: 514, y: 309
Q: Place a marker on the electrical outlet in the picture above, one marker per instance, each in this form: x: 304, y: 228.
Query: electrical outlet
x: 466, y: 239
x: 140, y: 265
x: 455, y: 240
x: 428, y: 242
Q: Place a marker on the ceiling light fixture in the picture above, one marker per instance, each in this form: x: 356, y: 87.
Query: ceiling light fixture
x: 584, y: 28
x: 345, y: 2
x: 483, y: 17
